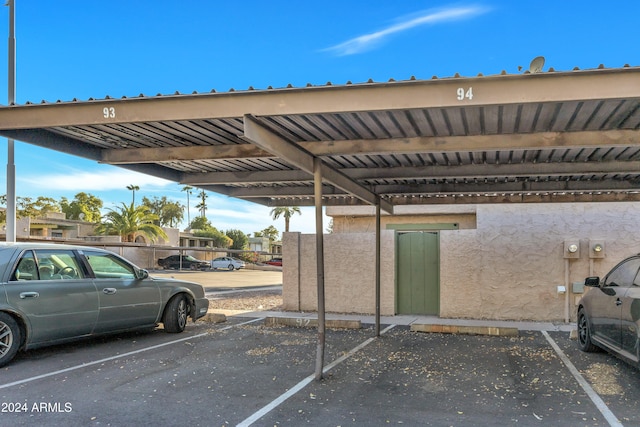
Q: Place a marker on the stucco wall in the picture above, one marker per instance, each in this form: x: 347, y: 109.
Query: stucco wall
x: 147, y: 257
x: 349, y: 273
x: 358, y: 224
x: 509, y: 267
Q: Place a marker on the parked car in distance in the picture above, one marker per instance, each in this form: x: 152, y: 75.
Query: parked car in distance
x: 173, y: 262
x: 227, y: 262
x: 275, y: 261
x: 609, y: 314
x: 55, y: 293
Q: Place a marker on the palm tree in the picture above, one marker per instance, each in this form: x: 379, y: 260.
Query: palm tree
x: 287, y: 213
x: 188, y: 189
x: 127, y: 221
x: 202, y: 206
x: 133, y: 188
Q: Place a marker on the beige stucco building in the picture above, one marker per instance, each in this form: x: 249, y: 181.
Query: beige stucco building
x: 494, y: 261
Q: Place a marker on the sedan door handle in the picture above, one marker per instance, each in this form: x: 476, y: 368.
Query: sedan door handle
x: 618, y: 302
x: 109, y: 291
x: 24, y: 295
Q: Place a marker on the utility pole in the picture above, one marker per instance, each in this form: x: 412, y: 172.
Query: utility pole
x: 11, y: 167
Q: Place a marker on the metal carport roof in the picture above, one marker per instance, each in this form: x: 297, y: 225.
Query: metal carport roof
x: 543, y: 137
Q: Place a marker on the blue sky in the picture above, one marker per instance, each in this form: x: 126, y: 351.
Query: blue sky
x: 81, y: 49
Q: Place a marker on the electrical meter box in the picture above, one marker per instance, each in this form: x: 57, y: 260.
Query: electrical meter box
x: 572, y: 249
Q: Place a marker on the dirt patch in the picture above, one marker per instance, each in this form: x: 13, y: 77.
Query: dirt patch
x: 247, y: 301
x: 603, y: 378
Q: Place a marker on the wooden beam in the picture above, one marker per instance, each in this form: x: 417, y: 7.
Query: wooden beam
x: 517, y: 198
x: 425, y: 172
x: 471, y: 143
x: 437, y: 189
x: 258, y: 134
x: 278, y: 191
x: 423, y: 145
x: 246, y: 177
x: 465, y: 199
x: 557, y: 186
x: 175, y: 154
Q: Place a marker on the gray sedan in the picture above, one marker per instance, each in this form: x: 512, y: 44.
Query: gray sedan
x: 55, y: 293
x: 609, y: 314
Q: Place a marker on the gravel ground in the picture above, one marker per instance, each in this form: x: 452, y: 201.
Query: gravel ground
x: 245, y: 300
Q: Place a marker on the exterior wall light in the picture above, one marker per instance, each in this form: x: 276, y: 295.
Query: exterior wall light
x: 573, y: 248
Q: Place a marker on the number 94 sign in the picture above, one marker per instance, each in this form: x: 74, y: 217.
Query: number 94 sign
x: 464, y: 93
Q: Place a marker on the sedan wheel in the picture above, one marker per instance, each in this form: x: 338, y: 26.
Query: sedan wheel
x: 584, y: 333
x: 10, y: 338
x: 231, y: 267
x: 175, y: 315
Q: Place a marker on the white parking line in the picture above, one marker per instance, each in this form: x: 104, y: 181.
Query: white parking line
x: 595, y: 398
x: 119, y: 356
x: 302, y: 384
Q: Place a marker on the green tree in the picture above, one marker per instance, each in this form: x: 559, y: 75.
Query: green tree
x: 127, y: 221
x: 220, y: 240
x: 26, y: 207
x: 251, y: 257
x: 270, y: 232
x: 169, y: 213
x: 202, y: 206
x: 44, y: 205
x: 240, y: 240
x: 38, y: 208
x: 84, y: 207
x: 133, y: 188
x: 286, y: 212
x: 172, y: 215
x: 202, y: 228
x: 200, y: 223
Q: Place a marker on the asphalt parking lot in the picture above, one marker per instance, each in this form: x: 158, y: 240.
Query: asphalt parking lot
x: 215, y: 280
x: 243, y: 373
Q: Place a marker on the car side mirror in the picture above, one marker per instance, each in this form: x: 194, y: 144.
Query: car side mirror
x: 592, y: 282
x: 142, y: 274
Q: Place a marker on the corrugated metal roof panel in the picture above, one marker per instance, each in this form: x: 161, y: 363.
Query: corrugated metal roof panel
x: 404, y: 135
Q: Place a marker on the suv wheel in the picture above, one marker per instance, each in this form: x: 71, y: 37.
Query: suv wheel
x: 584, y: 333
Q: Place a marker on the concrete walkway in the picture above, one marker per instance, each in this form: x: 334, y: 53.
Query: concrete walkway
x: 222, y: 282
x: 453, y: 325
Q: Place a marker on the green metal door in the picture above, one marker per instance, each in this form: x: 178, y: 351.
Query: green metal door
x: 418, y: 273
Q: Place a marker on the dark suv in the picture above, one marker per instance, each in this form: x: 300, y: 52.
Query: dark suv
x: 608, y: 314
x: 172, y: 262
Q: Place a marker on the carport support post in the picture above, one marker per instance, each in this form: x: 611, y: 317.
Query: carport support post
x: 317, y: 191
x: 377, y: 266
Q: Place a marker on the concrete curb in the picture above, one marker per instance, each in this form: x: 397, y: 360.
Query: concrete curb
x: 466, y: 330
x: 213, y: 318
x: 312, y: 323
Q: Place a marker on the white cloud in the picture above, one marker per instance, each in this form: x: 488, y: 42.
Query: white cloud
x: 368, y: 41
x: 110, y: 184
x: 76, y: 180
x: 250, y: 217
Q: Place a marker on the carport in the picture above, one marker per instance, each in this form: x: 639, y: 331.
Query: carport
x: 534, y: 137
